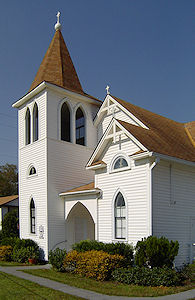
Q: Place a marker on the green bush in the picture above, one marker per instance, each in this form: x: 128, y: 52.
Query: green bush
x: 125, y: 250
x: 156, y: 252
x: 9, y: 241
x: 148, y: 277
x: 56, y: 258
x: 25, y: 249
x: 10, y: 225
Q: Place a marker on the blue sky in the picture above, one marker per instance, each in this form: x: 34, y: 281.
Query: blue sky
x: 144, y: 49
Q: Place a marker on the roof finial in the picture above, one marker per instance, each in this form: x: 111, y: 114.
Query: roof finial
x: 107, y: 89
x: 58, y: 25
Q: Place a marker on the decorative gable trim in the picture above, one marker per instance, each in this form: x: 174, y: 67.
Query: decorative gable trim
x: 113, y: 130
x: 110, y: 104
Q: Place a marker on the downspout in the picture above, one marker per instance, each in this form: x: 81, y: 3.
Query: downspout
x: 157, y: 159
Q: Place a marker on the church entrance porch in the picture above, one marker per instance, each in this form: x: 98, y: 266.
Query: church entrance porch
x: 79, y: 225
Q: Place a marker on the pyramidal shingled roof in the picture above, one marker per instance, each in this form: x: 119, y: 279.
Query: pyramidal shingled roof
x: 57, y: 67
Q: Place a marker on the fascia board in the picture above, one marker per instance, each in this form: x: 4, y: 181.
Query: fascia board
x: 69, y: 194
x: 96, y: 167
x: 97, y: 120
x: 55, y: 88
x: 141, y: 155
x: 28, y: 96
x: 99, y: 145
x: 174, y: 159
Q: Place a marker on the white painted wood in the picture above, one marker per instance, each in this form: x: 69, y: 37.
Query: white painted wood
x: 174, y: 205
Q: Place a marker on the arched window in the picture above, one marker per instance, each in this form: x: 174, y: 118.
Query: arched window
x: 32, y: 171
x: 80, y: 127
x: 65, y: 123
x: 35, y: 123
x: 120, y: 163
x: 32, y: 216
x: 120, y: 217
x: 28, y: 127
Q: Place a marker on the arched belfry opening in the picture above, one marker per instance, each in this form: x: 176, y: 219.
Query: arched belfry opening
x: 80, y: 225
x: 28, y: 126
x: 80, y: 127
x: 65, y: 123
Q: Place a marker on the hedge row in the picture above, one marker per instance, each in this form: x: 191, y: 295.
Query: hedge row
x: 148, y: 277
x: 93, y: 264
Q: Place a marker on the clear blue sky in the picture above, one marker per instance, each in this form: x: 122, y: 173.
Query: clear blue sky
x: 144, y: 49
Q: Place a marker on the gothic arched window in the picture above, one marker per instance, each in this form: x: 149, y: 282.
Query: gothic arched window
x: 28, y: 127
x: 32, y: 171
x: 32, y: 216
x: 120, y: 217
x: 80, y: 127
x: 35, y: 123
x: 65, y: 123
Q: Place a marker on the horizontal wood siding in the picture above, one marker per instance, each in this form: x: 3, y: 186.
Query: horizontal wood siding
x: 173, y: 205
x: 33, y: 187
x: 66, y: 162
x: 133, y: 184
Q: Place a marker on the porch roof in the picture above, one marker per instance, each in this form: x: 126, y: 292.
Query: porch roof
x: 7, y: 199
x: 87, y: 188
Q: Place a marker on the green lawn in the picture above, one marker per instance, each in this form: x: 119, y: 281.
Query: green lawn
x: 108, y: 287
x: 10, y: 264
x: 15, y: 288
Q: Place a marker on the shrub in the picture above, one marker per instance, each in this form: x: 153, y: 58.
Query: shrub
x: 56, y: 259
x: 9, y: 241
x: 156, y: 252
x: 93, y: 264
x: 125, y: 250
x: 25, y: 249
x: 10, y: 225
x: 148, y: 277
x: 5, y: 253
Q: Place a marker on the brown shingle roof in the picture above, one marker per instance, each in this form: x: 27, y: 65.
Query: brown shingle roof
x: 98, y: 163
x: 164, y: 136
x: 7, y: 199
x: 86, y: 187
x: 57, y: 66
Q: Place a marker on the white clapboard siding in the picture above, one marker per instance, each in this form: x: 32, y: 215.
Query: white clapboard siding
x: 33, y: 187
x: 66, y: 161
x: 174, y: 205
x: 133, y: 184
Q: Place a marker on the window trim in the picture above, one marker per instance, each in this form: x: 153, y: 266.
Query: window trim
x: 28, y: 134
x: 35, y: 125
x: 119, y: 190
x: 114, y: 160
x: 79, y: 106
x: 30, y: 216
x: 70, y: 122
x: 28, y: 171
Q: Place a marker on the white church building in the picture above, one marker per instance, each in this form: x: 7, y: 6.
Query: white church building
x: 109, y: 171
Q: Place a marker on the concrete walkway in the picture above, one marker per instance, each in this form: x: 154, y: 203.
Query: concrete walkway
x: 86, y: 294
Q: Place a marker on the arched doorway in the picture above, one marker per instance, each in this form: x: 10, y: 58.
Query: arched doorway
x: 79, y: 225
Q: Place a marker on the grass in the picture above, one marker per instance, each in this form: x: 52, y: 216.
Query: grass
x: 14, y: 288
x: 10, y: 264
x: 108, y: 287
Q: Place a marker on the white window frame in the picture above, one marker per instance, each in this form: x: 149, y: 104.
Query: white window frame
x: 115, y: 158
x: 113, y: 217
